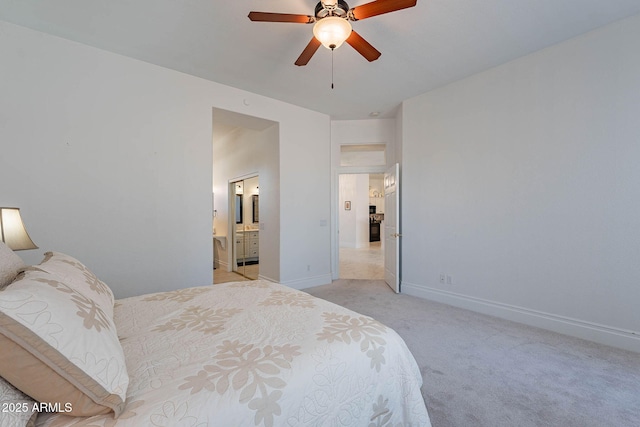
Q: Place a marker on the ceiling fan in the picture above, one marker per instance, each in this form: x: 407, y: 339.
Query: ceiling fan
x: 331, y: 24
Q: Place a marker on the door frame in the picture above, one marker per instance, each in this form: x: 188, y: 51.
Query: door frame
x: 392, y: 223
x: 335, y: 213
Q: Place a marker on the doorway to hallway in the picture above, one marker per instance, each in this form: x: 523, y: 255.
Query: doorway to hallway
x: 360, y: 219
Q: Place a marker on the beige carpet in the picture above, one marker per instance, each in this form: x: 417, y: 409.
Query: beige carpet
x: 482, y: 371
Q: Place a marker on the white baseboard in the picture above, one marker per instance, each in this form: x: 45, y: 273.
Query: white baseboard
x: 308, y: 282
x: 222, y: 265
x: 268, y: 279
x: 615, y: 337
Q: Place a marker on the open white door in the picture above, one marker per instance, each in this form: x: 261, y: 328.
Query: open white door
x: 392, y: 227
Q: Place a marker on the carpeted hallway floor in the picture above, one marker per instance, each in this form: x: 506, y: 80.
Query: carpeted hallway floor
x: 482, y: 371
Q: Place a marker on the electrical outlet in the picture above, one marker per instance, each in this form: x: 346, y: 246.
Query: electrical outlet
x: 442, y: 278
x: 449, y: 281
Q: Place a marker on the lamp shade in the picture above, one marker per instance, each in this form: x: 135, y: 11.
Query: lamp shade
x: 12, y: 231
x: 332, y: 31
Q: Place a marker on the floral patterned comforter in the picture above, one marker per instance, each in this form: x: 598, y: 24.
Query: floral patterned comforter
x: 258, y: 354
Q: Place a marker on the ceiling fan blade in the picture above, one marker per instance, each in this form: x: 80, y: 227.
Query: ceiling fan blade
x: 379, y: 7
x: 308, y: 52
x: 281, y: 17
x: 363, y: 47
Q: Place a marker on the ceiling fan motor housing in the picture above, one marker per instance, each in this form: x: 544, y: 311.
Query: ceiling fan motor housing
x: 340, y: 9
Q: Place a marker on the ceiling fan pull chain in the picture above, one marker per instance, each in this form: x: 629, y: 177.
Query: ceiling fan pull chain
x: 331, y: 68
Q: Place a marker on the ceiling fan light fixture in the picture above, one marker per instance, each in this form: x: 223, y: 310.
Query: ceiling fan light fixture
x: 332, y: 31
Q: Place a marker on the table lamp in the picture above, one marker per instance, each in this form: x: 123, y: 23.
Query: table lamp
x: 12, y: 230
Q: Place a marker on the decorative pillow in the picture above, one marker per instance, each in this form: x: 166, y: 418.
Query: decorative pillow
x: 18, y: 409
x: 10, y: 264
x: 59, y: 346
x: 74, y: 274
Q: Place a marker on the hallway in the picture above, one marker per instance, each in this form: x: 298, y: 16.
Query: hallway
x: 362, y: 263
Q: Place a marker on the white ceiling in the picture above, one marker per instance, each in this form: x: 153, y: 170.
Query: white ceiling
x: 425, y: 47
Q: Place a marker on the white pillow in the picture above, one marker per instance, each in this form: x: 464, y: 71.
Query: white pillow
x: 73, y: 273
x: 10, y: 264
x: 60, y: 346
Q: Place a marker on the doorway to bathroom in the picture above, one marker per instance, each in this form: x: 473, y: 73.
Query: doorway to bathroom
x: 246, y: 193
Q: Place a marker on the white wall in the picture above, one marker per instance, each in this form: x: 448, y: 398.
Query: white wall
x: 356, y: 132
x: 109, y: 159
x: 398, y: 136
x: 304, y: 208
x: 241, y: 153
x: 522, y: 184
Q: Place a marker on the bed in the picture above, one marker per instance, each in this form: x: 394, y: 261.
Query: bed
x: 250, y: 353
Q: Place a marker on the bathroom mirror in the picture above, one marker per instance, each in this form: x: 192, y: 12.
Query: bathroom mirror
x: 256, y: 208
x: 238, y: 208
